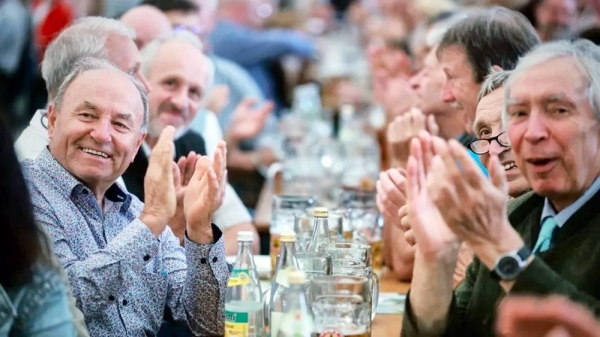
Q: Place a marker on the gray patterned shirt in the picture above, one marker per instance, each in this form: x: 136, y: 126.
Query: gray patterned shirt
x: 123, y: 277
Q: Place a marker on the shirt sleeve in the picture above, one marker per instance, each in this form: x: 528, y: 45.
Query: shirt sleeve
x: 197, y: 283
x: 102, y: 273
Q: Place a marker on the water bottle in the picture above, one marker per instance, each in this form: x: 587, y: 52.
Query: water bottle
x: 320, y: 234
x: 244, y: 316
x: 286, y: 263
x: 297, y: 319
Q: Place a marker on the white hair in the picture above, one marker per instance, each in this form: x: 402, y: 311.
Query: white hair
x: 495, y: 80
x: 85, y: 38
x: 585, y: 55
x: 88, y: 64
x: 151, y: 50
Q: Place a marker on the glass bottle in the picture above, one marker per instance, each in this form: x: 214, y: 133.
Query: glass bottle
x: 286, y: 263
x: 320, y: 234
x: 244, y: 315
x: 297, y: 319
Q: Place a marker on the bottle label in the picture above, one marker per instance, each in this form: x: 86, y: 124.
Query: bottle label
x: 239, y: 277
x: 236, y: 324
x: 282, y: 277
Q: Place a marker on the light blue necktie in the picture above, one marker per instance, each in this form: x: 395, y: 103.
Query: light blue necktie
x: 545, y: 238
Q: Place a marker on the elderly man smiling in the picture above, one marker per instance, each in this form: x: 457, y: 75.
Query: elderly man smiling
x: 124, y: 264
x: 545, y: 242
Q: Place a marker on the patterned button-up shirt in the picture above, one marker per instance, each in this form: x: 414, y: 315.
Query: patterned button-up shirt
x: 123, y: 277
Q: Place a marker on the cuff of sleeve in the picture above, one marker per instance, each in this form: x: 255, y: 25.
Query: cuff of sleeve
x: 135, y: 244
x: 409, y: 322
x: 203, y: 258
x: 537, y: 279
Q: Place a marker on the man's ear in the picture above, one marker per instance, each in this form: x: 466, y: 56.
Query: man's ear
x: 139, y: 143
x: 51, y: 120
x: 497, y: 68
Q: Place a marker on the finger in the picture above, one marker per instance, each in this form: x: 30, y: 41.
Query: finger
x: 189, y: 167
x: 181, y: 163
x: 418, y: 121
x: 164, y: 149
x: 246, y: 104
x: 202, y: 165
x: 432, y: 126
x: 219, y: 163
x: 497, y: 174
x: 427, y: 148
x: 417, y: 152
x: 470, y: 170
x: 267, y: 109
x: 212, y: 193
x: 176, y: 174
x: 409, y: 236
x: 399, y: 179
x: 413, y: 178
x: 392, y: 195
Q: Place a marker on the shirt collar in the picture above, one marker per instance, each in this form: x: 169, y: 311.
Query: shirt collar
x: 566, y: 213
x: 67, y: 183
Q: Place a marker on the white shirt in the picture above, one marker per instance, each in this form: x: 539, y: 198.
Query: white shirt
x: 232, y: 212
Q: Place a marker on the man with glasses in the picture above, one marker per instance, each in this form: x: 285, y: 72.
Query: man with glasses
x: 492, y: 140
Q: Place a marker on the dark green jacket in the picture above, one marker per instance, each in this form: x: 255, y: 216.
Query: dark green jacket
x: 571, y: 267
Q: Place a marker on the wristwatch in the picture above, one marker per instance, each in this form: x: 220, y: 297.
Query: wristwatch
x: 510, y: 265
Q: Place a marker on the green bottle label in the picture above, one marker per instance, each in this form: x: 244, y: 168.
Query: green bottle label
x: 236, y: 324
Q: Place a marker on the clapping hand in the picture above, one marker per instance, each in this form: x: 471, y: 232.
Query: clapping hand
x: 204, y: 195
x: 403, y: 129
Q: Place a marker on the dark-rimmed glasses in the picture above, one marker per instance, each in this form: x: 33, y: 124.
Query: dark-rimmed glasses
x: 482, y: 145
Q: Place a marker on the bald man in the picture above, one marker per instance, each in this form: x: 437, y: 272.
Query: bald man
x: 148, y: 22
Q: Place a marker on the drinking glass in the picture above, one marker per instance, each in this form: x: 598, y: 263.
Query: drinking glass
x: 340, y: 305
x: 366, y: 221
x: 285, y: 208
x: 354, y: 259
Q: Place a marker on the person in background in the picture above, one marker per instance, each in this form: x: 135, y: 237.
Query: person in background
x: 553, y: 19
x: 148, y: 22
x: 240, y: 37
x: 178, y: 89
x: 34, y: 299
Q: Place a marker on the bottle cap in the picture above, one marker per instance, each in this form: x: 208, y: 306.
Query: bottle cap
x: 297, y: 277
x: 245, y: 236
x: 320, y: 212
x: 288, y: 236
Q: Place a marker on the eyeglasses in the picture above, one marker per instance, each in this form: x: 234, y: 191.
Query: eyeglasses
x: 482, y: 145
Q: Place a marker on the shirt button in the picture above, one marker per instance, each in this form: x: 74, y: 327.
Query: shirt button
x: 125, y: 302
x: 215, y: 259
x: 111, y: 298
x: 147, y: 257
x: 203, y: 260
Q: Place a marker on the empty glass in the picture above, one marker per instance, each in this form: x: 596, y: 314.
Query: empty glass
x: 340, y: 305
x: 354, y: 259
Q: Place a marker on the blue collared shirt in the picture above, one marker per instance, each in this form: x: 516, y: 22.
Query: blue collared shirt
x: 566, y: 213
x: 123, y: 277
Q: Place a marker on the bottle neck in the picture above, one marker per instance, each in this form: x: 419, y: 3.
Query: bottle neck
x: 320, y: 234
x: 244, y: 255
x: 287, y: 256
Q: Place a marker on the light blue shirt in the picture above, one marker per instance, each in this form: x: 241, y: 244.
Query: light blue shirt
x: 566, y: 213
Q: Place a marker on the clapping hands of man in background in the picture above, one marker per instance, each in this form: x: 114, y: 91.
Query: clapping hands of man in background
x: 185, y: 194
x: 248, y: 121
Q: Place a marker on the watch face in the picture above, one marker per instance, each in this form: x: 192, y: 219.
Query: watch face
x: 508, y: 268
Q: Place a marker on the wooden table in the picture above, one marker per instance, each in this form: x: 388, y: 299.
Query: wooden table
x: 389, y: 325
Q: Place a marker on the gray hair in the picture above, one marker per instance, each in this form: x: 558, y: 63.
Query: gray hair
x: 151, y: 50
x: 89, y: 64
x: 438, y: 30
x: 585, y: 55
x: 85, y: 38
x: 495, y: 80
